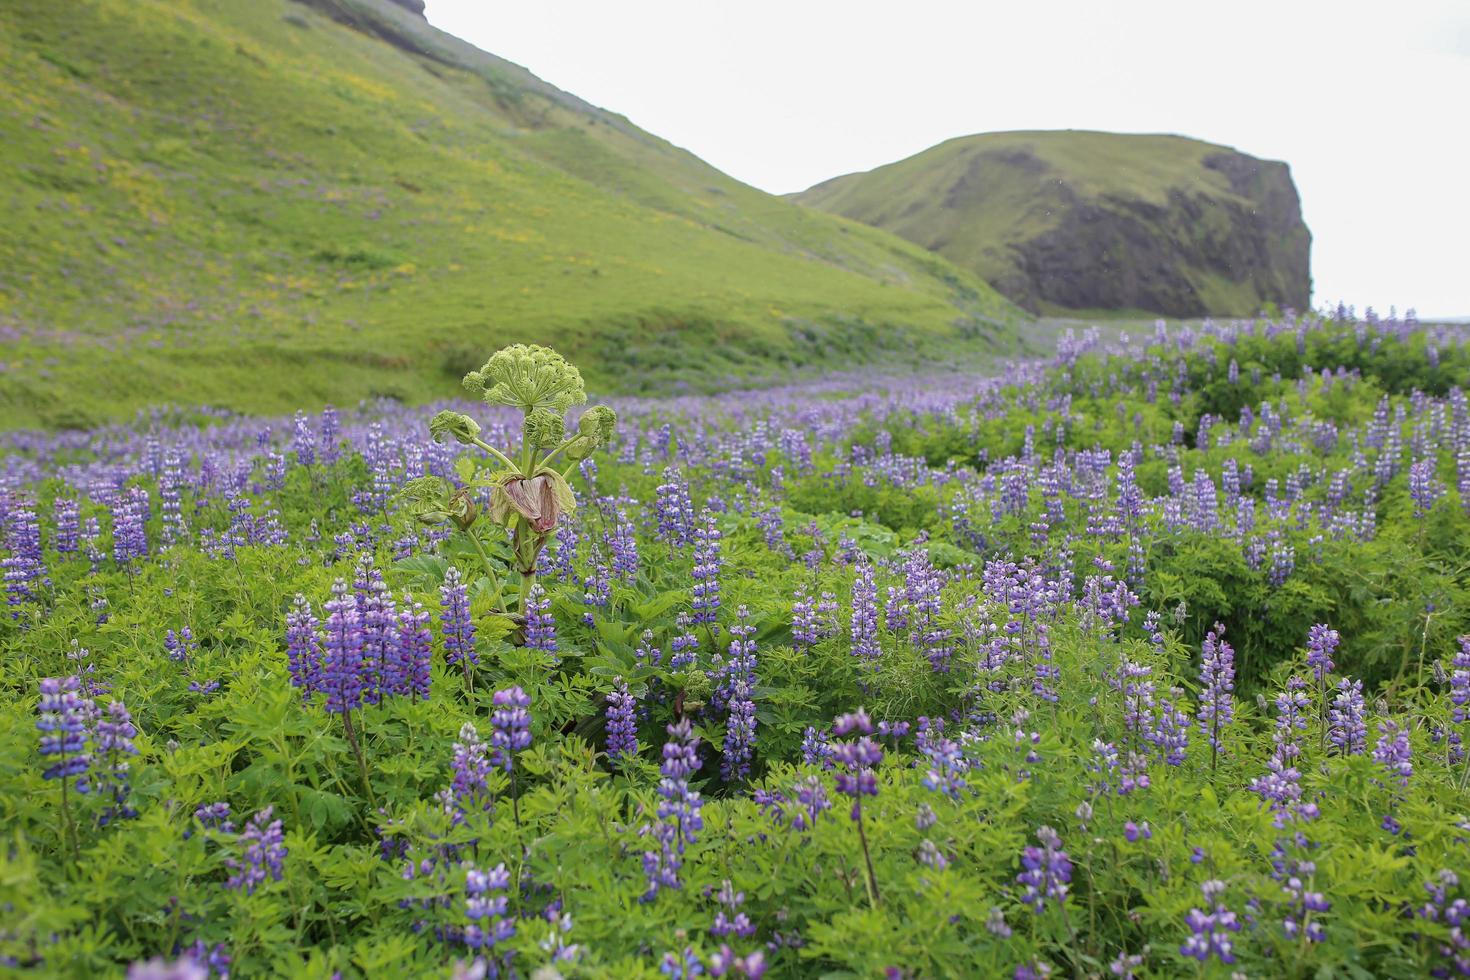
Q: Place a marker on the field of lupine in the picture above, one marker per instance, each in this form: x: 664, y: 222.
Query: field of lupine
x: 1145, y: 661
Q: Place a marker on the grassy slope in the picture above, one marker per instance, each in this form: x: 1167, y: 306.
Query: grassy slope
x: 249, y: 204
x: 935, y: 199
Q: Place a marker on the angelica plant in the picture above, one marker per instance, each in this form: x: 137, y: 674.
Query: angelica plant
x: 529, y: 489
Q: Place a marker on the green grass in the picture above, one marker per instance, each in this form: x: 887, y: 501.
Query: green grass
x: 974, y: 199
x: 253, y: 206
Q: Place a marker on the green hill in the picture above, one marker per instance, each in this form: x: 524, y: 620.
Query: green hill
x: 266, y: 204
x: 1086, y: 221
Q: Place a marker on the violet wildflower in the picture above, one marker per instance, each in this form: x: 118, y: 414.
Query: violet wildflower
x: 816, y: 748
x: 1322, y: 642
x: 1396, y: 756
x: 1281, y: 787
x: 541, y: 624
x: 1046, y: 871
x: 685, y: 646
x: 129, y: 540
x: 1347, y: 721
x: 706, y: 572
x: 512, y: 724
x: 674, y: 510
x: 63, y: 723
x: 214, y: 816
x: 68, y: 525
x: 725, y: 962
x: 486, y: 906
x: 456, y: 624
x: 1211, y: 932
x: 622, y: 727
x: 858, y: 757
x: 681, y: 966
x: 469, y: 791
x: 730, y: 920
x: 303, y: 647
x: 810, y: 796
x: 186, y: 967
x: 679, y: 819
x: 263, y: 854
x: 410, y: 672
x: 342, y: 659
x: 114, y: 743
x: 865, y: 645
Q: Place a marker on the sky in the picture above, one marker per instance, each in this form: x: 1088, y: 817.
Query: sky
x: 1368, y: 102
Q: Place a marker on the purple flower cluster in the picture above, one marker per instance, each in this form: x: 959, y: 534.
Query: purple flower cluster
x: 706, y: 573
x: 679, y: 819
x: 1210, y: 933
x: 622, y: 724
x: 1046, y: 871
x: 264, y: 851
x: 512, y: 726
x: 64, y: 715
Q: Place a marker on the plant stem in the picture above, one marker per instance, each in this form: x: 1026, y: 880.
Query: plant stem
x: 872, y: 880
x: 361, y: 762
x: 496, y: 453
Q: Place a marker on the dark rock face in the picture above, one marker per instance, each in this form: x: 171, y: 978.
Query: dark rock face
x: 1121, y: 253
x: 1095, y: 221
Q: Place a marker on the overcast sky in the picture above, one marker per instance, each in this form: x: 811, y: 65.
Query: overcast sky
x: 1368, y: 102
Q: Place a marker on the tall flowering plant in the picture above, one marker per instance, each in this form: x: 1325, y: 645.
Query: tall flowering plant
x: 529, y: 492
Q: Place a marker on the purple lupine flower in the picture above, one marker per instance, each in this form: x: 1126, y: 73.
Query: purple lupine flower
x: 303, y: 440
x: 1348, y: 718
x: 330, y: 447
x: 129, y: 516
x: 1046, y: 871
x: 685, y: 646
x: 181, y: 646
x: 725, y: 962
x: 706, y: 572
x: 1459, y: 679
x: 739, y: 744
x: 1281, y: 787
x: 68, y: 525
x: 263, y: 854
x: 623, y: 544
x: 810, y: 796
x: 342, y: 663
x: 377, y: 617
x: 114, y: 743
x: 857, y: 757
x: 541, y: 624
x: 170, y: 499
x: 1393, y: 751
x: 456, y: 623
x: 730, y: 920
x: 303, y: 647
x: 92, y: 541
x: 679, y: 819
x: 1424, y: 488
x: 622, y: 726
x: 469, y: 791
x: 865, y: 644
x: 214, y: 816
x: 24, y: 569
x: 674, y: 509
x: 186, y: 967
x: 816, y: 747
x: 1304, y: 903
x: 63, y: 720
x: 681, y: 966
x: 512, y: 726
x: 1217, y: 689
x: 596, y: 591
x: 1322, y: 642
x: 486, y: 906
x: 410, y: 673
x: 1210, y: 932
x: 1454, y: 950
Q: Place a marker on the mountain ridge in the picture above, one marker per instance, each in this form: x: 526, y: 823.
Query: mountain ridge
x: 1067, y: 220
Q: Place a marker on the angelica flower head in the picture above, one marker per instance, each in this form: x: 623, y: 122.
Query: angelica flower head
x: 528, y: 377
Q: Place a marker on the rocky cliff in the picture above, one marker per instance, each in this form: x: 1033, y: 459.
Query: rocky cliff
x: 1073, y: 220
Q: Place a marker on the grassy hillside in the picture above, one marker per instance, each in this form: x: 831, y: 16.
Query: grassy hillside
x: 1084, y: 220
x: 264, y: 204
